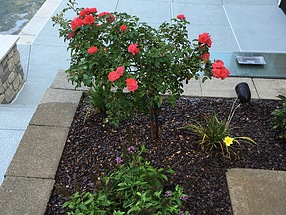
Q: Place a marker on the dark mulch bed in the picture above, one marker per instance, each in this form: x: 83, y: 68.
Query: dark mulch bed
x: 92, y: 143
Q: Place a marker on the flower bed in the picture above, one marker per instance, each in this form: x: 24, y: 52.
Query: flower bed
x: 93, y: 146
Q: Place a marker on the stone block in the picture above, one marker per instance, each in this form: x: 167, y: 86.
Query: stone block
x: 5, y: 75
x: 39, y: 152
x: 1, y: 88
x: 11, y: 77
x: 9, y: 94
x: 254, y: 191
x: 1, y: 69
x: 25, y: 195
x: 54, y: 114
x: 16, y: 83
x: 11, y: 53
x: 11, y: 64
x: 16, y: 56
x: 61, y: 96
x: 2, y: 97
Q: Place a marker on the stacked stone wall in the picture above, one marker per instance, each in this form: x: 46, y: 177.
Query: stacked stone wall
x: 11, y: 76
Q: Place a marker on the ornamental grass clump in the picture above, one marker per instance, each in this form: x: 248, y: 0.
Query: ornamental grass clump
x: 216, y: 135
x: 135, y: 66
x: 134, y: 187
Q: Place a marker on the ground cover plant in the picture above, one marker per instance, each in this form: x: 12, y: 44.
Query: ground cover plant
x: 93, y: 146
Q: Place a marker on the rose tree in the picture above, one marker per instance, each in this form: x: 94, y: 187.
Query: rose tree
x: 132, y: 65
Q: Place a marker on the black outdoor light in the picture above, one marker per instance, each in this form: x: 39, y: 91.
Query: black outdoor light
x: 243, y: 92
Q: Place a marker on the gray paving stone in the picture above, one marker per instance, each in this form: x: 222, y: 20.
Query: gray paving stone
x: 61, y: 96
x: 9, y: 142
x: 9, y: 114
x: 222, y: 36
x: 39, y: 152
x: 258, y: 28
x: 257, y: 192
x: 202, y: 14
x: 54, y: 114
x: 226, y: 88
x: 252, y: 2
x: 155, y: 12
x: 270, y: 88
x: 24, y: 196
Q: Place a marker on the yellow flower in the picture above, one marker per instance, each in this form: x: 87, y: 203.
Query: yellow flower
x: 228, y: 140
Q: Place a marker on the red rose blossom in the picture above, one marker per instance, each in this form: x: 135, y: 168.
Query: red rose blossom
x: 123, y: 28
x: 70, y: 35
x: 113, y: 76
x: 181, y: 16
x: 76, y: 22
x: 103, y: 14
x: 131, y: 84
x: 87, y: 11
x: 109, y: 16
x: 205, y: 38
x: 219, y: 70
x: 89, y: 20
x: 120, y: 70
x: 92, y: 50
x: 132, y: 48
x: 205, y: 57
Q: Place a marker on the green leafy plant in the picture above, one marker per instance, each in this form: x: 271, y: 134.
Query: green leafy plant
x: 215, y: 134
x: 279, y: 117
x: 134, y: 66
x: 135, y: 187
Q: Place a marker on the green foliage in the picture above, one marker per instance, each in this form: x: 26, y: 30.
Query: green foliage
x: 165, y: 59
x: 279, y: 117
x: 135, y: 187
x: 216, y: 135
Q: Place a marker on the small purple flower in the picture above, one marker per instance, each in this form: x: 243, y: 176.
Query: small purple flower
x: 181, y: 213
x: 167, y: 193
x: 131, y: 149
x: 118, y: 160
x: 183, y: 198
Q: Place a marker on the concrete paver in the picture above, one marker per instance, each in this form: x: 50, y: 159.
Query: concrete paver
x: 270, y: 88
x: 226, y: 88
x: 39, y: 152
x: 54, y: 114
x: 25, y: 196
x: 61, y: 96
x: 257, y: 192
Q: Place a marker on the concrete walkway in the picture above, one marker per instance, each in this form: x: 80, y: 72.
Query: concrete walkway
x: 43, y: 54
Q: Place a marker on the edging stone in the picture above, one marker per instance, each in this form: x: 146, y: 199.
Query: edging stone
x: 29, y: 180
x: 29, y: 196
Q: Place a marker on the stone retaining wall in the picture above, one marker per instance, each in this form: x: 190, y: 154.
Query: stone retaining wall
x: 11, y: 71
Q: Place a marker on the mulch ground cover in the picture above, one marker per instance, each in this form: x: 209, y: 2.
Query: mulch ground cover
x: 93, y: 145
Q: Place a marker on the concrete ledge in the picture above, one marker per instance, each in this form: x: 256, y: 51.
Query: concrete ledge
x: 29, y: 179
x: 29, y: 196
x: 270, y: 88
x: 39, y: 152
x: 61, y: 96
x: 7, y: 43
x: 54, y: 114
x: 254, y: 191
x: 226, y: 88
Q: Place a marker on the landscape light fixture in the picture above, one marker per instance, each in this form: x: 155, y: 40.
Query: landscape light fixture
x: 243, y: 92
